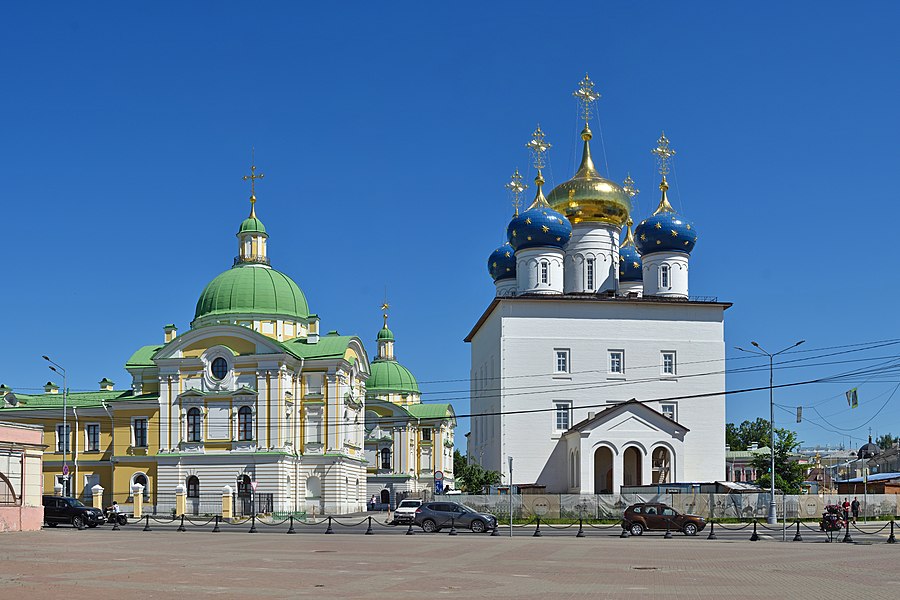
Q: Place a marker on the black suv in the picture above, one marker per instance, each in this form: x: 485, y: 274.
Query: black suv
x: 70, y: 510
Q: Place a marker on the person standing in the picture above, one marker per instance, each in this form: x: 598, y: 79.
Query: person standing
x: 846, y: 507
x: 854, y: 507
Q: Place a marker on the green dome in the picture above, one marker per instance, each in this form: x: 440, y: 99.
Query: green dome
x: 385, y: 335
x: 252, y: 225
x: 391, y: 376
x: 255, y: 290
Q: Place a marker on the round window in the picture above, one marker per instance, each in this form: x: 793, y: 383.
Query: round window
x: 219, y: 368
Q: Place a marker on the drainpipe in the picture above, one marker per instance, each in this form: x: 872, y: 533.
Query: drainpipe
x: 75, y: 448
x: 112, y: 451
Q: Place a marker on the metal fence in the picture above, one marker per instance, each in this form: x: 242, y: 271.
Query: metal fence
x: 718, y: 506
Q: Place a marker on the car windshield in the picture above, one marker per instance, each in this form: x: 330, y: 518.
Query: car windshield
x: 409, y: 503
x: 74, y: 502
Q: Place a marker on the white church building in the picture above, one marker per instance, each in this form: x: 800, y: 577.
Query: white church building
x: 592, y: 367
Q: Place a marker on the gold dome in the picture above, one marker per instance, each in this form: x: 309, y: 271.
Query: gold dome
x: 590, y: 197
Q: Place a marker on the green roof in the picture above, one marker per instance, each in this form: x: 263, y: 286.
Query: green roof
x: 430, y: 411
x: 75, y: 399
x: 391, y: 376
x: 252, y: 225
x: 246, y: 289
x: 143, y: 357
x: 328, y: 346
x: 385, y: 335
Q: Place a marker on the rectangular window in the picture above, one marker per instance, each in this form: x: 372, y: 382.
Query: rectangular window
x: 590, y: 274
x: 668, y: 410
x: 664, y: 276
x: 426, y: 434
x: 668, y: 363
x: 139, y: 432
x: 563, y: 416
x: 63, y: 433
x: 545, y: 273
x: 617, y: 362
x: 92, y: 437
x: 562, y: 361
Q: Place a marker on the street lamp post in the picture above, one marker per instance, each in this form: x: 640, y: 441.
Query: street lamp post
x: 772, y: 518
x: 56, y: 368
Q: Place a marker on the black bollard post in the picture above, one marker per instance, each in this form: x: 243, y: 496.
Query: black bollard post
x: 252, y: 523
x: 181, y: 527
x: 147, y: 523
x: 216, y: 526
x: 410, y: 531
x: 797, y: 536
x: 891, y: 538
x: 495, y: 532
x: 624, y: 533
x: 329, y: 529
x: 452, y: 526
x: 115, y: 519
x: 580, y: 529
x: 369, y: 529
x: 537, y: 532
x: 712, y: 531
x: 847, y: 539
x: 755, y: 536
x: 668, y: 535
x: 291, y: 528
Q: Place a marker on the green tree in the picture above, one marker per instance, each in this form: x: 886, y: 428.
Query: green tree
x: 470, y: 476
x: 789, y: 473
x: 886, y: 441
x: 741, y: 437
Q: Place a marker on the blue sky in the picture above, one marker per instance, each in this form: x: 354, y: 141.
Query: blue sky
x: 386, y: 132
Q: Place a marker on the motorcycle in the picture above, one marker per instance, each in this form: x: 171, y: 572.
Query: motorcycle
x: 832, y: 519
x: 111, y: 514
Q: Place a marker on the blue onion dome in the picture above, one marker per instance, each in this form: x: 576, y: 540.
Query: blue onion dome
x: 539, y: 226
x: 590, y: 197
x: 665, y: 231
x: 502, y: 263
x: 630, y: 264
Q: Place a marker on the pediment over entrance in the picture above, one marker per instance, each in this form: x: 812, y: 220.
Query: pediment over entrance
x: 632, y: 424
x: 630, y: 417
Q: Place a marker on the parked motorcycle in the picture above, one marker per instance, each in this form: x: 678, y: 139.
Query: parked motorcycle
x: 111, y: 514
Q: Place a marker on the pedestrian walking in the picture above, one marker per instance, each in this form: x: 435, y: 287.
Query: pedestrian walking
x: 854, y: 506
x: 846, y: 507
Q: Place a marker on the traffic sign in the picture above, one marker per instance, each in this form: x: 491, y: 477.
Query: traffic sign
x: 254, y: 485
x: 66, y: 470
x: 438, y: 487
x: 438, y: 475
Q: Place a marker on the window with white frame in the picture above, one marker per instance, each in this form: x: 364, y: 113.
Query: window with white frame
x: 589, y: 275
x: 63, y: 433
x: 545, y: 272
x: 92, y: 437
x: 562, y: 360
x: 664, y: 277
x: 668, y: 363
x: 245, y: 424
x: 139, y: 432
x: 563, y: 416
x: 668, y: 410
x: 194, y: 425
x: 617, y: 362
x: 426, y: 434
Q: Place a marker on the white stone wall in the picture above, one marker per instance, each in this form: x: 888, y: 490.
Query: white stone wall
x: 528, y: 270
x: 597, y: 241
x: 677, y: 264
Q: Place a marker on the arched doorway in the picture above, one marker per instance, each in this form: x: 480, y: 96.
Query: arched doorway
x: 631, y: 466
x: 603, y: 470
x: 662, y: 465
x: 314, y: 494
x: 385, y: 497
x: 244, y: 502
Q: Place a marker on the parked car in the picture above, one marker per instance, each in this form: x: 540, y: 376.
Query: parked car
x: 406, y: 511
x: 655, y: 516
x: 433, y: 516
x: 70, y: 510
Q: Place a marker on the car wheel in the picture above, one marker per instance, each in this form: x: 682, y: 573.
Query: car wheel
x: 51, y: 524
x: 78, y: 522
x: 429, y: 526
x: 478, y: 526
x: 690, y: 529
x: 636, y: 529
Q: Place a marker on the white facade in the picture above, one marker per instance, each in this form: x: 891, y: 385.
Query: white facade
x: 665, y: 274
x: 539, y: 270
x: 592, y: 258
x: 573, y: 358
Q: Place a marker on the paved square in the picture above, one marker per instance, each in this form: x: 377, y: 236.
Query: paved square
x: 101, y: 563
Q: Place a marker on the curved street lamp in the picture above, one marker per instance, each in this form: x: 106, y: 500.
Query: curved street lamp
x: 59, y: 370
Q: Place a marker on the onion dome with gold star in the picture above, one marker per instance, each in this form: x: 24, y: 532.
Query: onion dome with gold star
x: 630, y: 264
x: 665, y: 230
x: 502, y: 263
x: 588, y: 197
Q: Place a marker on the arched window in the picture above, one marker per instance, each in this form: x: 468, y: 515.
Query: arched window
x: 141, y: 479
x: 545, y: 272
x: 245, y: 423
x: 243, y: 486
x: 385, y: 458
x: 193, y: 487
x: 664, y: 277
x: 194, y: 425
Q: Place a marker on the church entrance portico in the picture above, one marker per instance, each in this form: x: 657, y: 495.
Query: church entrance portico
x: 632, y: 460
x: 603, y: 470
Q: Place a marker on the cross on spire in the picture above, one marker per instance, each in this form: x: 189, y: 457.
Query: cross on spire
x: 516, y: 186
x: 586, y: 97
x: 663, y: 154
x: 628, y: 187
x: 252, y: 177
x: 538, y: 146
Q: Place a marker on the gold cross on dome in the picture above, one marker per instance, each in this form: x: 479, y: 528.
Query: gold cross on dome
x: 663, y: 154
x: 628, y: 187
x: 384, y: 307
x: 586, y: 97
x: 516, y: 186
x: 538, y: 146
x: 252, y: 177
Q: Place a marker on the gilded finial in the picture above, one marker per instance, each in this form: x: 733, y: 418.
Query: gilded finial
x: 538, y: 146
x: 663, y: 154
x: 516, y: 186
x: 586, y: 98
x: 385, y: 306
x: 629, y: 235
x: 628, y: 187
x: 252, y: 177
